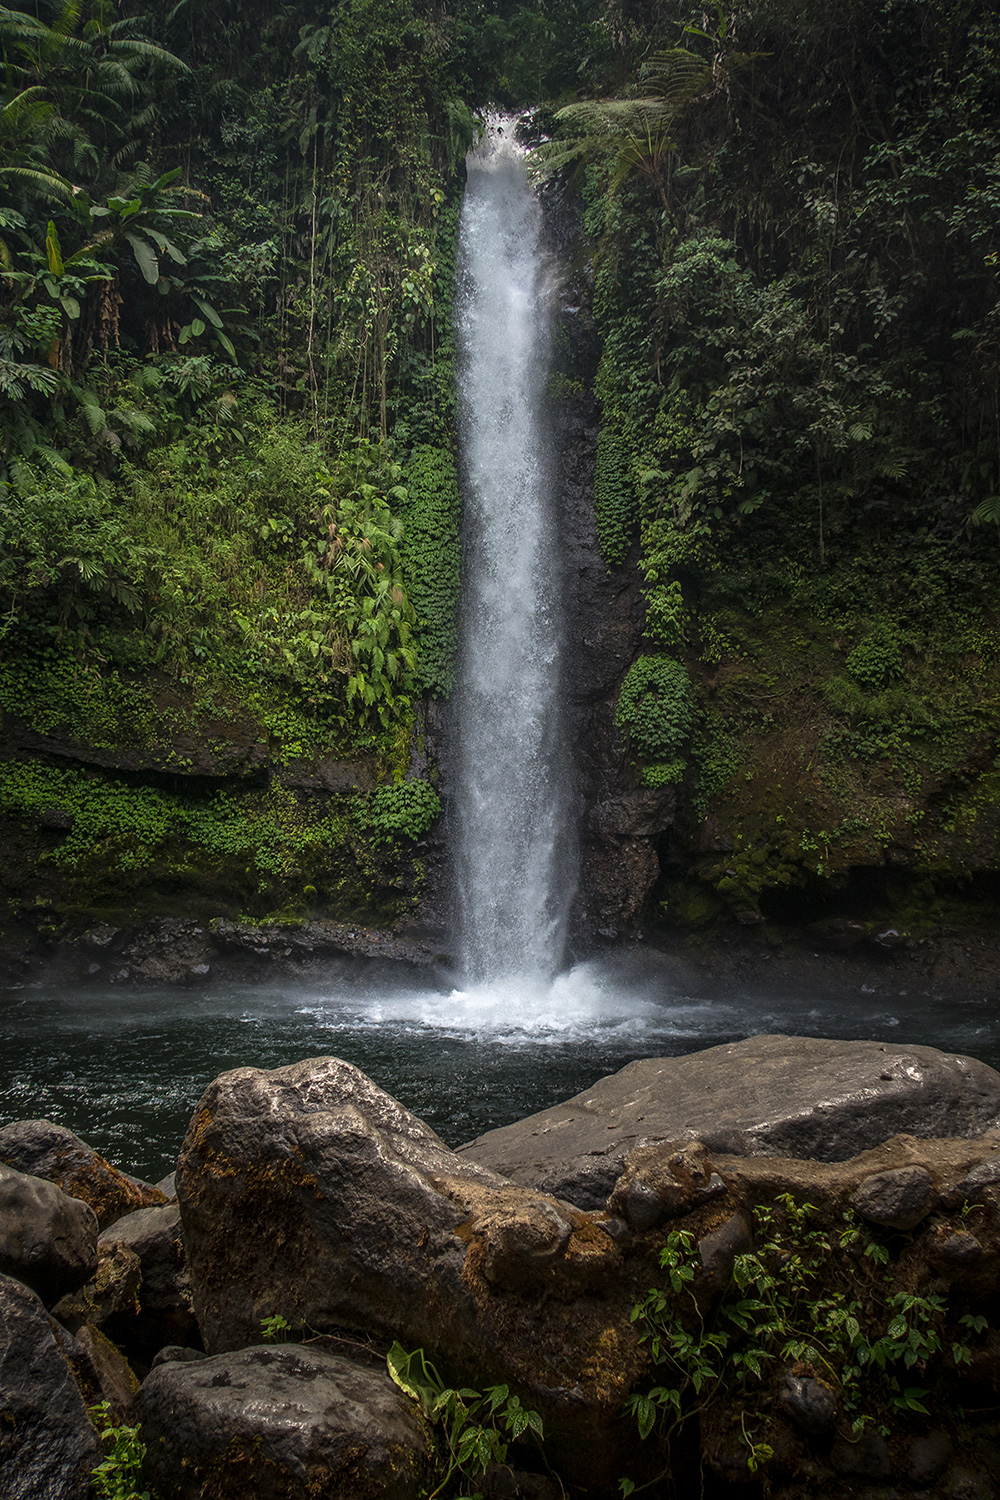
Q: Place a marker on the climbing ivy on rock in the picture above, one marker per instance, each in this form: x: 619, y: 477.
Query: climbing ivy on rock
x: 614, y: 500
x: 431, y: 551
x: 406, y: 810
x: 656, y: 708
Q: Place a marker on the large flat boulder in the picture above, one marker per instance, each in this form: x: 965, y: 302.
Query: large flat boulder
x: 280, y: 1421
x: 769, y: 1095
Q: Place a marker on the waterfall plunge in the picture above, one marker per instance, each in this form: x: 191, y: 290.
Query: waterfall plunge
x: 514, y: 854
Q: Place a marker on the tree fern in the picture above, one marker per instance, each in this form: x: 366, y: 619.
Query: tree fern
x: 637, y: 130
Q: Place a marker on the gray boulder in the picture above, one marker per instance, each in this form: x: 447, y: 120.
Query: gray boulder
x: 769, y: 1095
x: 166, y: 1187
x: 897, y: 1199
x: 280, y: 1421
x: 55, y: 1153
x: 166, y: 1311
x: 113, y: 1291
x: 309, y: 1192
x: 48, y: 1446
x: 659, y: 1183
x: 108, y: 1369
x: 47, y: 1239
x: 808, y: 1401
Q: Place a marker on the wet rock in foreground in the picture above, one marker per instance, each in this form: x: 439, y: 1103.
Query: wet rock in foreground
x: 47, y: 1239
x: 55, y: 1153
x: 47, y: 1444
x: 279, y: 1421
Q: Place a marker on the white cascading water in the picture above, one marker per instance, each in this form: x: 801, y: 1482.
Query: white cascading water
x: 514, y: 865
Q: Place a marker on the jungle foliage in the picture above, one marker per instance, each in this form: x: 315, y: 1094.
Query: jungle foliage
x: 793, y: 215
x: 226, y: 268
x: 227, y: 383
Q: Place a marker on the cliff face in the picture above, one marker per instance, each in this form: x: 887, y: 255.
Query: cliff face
x: 227, y: 600
x: 619, y: 819
x: 165, y: 818
x: 791, y: 502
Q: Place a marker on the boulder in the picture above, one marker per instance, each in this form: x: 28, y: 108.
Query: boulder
x: 175, y: 1353
x: 863, y: 1457
x: 718, y: 1250
x: 660, y: 1183
x: 47, y: 1239
x: 770, y: 1095
x: 48, y: 1446
x: 278, y: 1422
x: 984, y: 1174
x: 113, y: 1291
x: 112, y: 1373
x: 950, y: 1250
x: 166, y: 1312
x: 167, y: 1188
x: 52, y: 1151
x: 928, y: 1457
x: 897, y: 1199
x: 808, y: 1401
x: 308, y: 1193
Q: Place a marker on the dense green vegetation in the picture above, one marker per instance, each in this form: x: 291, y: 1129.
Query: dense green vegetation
x: 228, y: 489
x: 794, y: 216
x: 227, y: 478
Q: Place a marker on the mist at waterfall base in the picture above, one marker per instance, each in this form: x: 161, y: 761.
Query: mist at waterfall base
x: 124, y: 1067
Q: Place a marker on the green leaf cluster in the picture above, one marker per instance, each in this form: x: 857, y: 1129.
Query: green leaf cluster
x: 656, y: 709
x: 406, y: 810
x: 119, y: 1473
x: 614, y: 501
x: 431, y: 552
x: 476, y: 1428
x: 806, y: 1295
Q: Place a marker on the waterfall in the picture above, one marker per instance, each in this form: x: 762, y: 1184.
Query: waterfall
x: 515, y: 870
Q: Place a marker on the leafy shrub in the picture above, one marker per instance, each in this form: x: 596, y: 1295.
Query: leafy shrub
x: 119, y: 1474
x: 878, y: 659
x: 656, y: 707
x: 664, y: 612
x: 62, y: 534
x: 804, y: 1293
x: 664, y: 773
x: 403, y: 811
x: 476, y: 1428
x: 124, y: 824
x: 431, y: 551
x: 614, y: 501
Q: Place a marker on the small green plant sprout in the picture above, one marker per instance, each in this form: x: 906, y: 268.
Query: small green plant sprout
x: 759, y: 1453
x: 790, y: 1299
x: 119, y: 1474
x: 275, y: 1330
x: 476, y: 1427
x: 972, y: 1323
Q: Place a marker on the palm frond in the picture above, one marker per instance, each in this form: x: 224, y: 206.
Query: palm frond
x: 45, y: 183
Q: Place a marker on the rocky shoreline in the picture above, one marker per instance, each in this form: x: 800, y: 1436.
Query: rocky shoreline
x: 951, y: 961
x: 771, y: 1268
x: 185, y: 951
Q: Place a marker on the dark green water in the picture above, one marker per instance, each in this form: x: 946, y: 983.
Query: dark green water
x: 125, y: 1067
